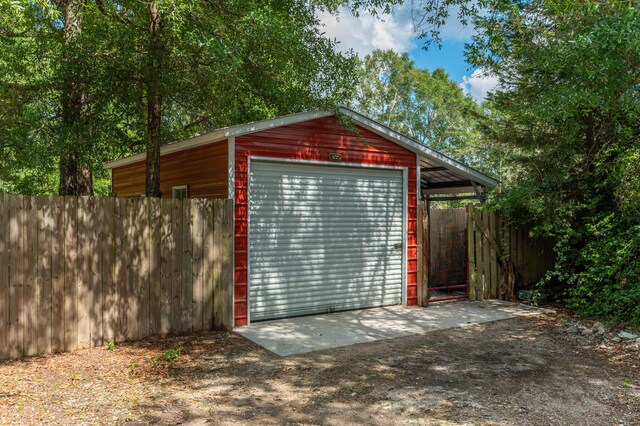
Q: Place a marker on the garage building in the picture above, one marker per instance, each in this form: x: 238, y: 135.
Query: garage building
x: 325, y: 214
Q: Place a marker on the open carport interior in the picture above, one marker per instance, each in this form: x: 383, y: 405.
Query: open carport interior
x: 444, y: 230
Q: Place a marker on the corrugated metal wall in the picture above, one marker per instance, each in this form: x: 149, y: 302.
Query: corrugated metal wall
x: 316, y: 140
x: 323, y: 238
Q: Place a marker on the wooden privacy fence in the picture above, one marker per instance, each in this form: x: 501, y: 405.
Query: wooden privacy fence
x: 448, y: 240
x: 502, y: 255
x: 77, y: 272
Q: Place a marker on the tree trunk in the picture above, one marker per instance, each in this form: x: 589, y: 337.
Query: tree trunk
x: 154, y: 104
x: 75, y: 177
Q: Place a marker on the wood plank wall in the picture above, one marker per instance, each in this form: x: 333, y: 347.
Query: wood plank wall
x: 489, y: 238
x: 204, y: 169
x: 78, y: 272
x: 448, y: 239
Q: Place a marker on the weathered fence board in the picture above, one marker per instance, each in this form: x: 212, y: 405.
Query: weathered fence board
x: 155, y: 289
x: 78, y: 272
x: 491, y: 243
x: 166, y: 265
x: 209, y: 266
x: 198, y: 269
x: 16, y: 279
x: 70, y: 274
x: 223, y: 264
x: 57, y: 274
x: 176, y: 262
x: 187, y: 265
x: 85, y: 248
x: 109, y: 293
x: 43, y: 258
x: 448, y: 252
x: 4, y: 277
x: 144, y: 239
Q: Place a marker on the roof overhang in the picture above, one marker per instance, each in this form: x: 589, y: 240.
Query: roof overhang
x: 439, y: 174
x: 222, y: 134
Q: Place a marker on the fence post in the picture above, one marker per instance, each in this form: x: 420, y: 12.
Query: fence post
x: 421, y: 265
x: 471, y: 257
x: 4, y: 276
x: 223, y: 246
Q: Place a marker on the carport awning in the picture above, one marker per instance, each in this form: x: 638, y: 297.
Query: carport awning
x: 439, y: 174
x: 436, y: 178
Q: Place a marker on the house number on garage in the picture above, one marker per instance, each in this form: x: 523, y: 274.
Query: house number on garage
x: 334, y: 156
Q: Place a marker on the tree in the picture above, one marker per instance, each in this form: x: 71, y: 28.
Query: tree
x: 142, y: 74
x: 56, y: 115
x: 210, y: 65
x: 156, y: 52
x: 570, y: 121
x: 75, y: 174
x: 425, y: 105
x: 566, y: 120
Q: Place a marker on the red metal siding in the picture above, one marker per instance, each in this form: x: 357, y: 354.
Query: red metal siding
x: 315, y: 140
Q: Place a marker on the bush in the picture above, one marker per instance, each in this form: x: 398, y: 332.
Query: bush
x: 608, y: 281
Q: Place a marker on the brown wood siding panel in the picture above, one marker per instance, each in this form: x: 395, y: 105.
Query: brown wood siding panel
x: 203, y: 168
x: 448, y: 250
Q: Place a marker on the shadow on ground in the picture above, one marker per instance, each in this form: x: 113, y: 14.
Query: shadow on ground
x: 519, y: 371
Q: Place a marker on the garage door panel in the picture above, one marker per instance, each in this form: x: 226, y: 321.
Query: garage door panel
x: 280, y: 172
x: 340, y: 290
x: 321, y: 288
x: 309, y: 237
x: 352, y: 222
x: 352, y: 208
x: 322, y: 238
x: 324, y: 300
x: 323, y: 259
x: 280, y: 274
x: 337, y: 250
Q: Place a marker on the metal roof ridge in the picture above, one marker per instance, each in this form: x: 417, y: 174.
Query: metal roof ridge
x: 417, y: 147
x: 223, y: 133
x: 261, y: 125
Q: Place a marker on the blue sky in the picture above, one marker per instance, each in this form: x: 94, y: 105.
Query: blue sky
x: 367, y: 33
x: 450, y: 57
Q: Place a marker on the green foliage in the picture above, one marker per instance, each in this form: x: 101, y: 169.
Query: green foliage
x: 223, y: 63
x: 111, y: 345
x: 566, y: 120
x: 170, y: 356
x: 424, y: 105
x: 607, y: 281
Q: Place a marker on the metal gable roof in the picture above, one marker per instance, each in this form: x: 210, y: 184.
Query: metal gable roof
x: 427, y: 155
x: 437, y: 168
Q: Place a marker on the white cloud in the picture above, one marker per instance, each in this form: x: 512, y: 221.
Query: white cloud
x: 395, y: 31
x: 479, y: 84
x: 366, y: 33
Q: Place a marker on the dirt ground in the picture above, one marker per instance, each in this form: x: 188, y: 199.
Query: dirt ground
x: 524, y: 371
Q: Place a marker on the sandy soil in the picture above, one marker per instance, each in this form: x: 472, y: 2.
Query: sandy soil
x: 525, y: 371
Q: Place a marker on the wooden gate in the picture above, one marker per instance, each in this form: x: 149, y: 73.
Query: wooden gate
x: 503, y: 257
x: 499, y: 257
x: 448, y: 254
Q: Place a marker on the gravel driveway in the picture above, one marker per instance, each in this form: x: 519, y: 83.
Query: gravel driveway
x: 522, y: 371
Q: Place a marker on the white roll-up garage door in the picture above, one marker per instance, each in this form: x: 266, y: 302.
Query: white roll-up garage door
x: 323, y: 238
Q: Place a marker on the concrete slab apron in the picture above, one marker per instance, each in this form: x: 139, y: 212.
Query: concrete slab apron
x: 294, y: 336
